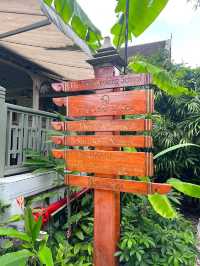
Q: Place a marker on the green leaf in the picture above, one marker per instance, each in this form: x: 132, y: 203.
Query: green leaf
x: 80, y: 235
x: 162, y: 205
x: 10, y: 232
x: 173, y: 148
x: 14, y: 218
x: 6, y: 244
x: 29, y: 221
x: 188, y: 189
x: 37, y: 228
x: 48, y: 2
x: 73, y: 15
x: 64, y: 8
x: 15, y: 258
x: 160, y: 77
x: 45, y: 256
x: 142, y: 14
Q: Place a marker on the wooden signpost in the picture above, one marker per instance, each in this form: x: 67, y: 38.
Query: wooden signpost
x: 104, y: 156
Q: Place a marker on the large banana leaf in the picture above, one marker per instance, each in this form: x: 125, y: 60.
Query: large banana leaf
x: 160, y: 77
x: 188, y: 189
x: 162, y: 205
x: 142, y: 13
x: 18, y: 258
x: 71, y: 20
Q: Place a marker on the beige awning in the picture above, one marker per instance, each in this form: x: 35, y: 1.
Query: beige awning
x: 45, y: 46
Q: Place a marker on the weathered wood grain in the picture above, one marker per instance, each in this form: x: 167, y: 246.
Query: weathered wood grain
x: 107, y: 162
x: 117, y: 185
x: 104, y: 141
x: 104, y: 125
x: 106, y: 104
x: 103, y: 83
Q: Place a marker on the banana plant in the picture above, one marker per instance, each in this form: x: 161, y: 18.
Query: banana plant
x: 33, y: 249
x: 70, y: 19
x: 142, y: 14
x: 161, y: 203
x: 160, y: 77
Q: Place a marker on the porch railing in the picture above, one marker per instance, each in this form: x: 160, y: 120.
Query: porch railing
x: 21, y: 129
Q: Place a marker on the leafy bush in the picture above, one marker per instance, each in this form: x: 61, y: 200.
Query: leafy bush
x: 148, y: 239
x: 72, y: 244
x: 32, y: 249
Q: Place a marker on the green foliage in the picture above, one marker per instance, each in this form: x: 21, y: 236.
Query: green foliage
x: 18, y: 258
x: 160, y: 77
x: 148, y: 239
x: 188, y: 189
x: 73, y: 15
x: 32, y: 228
x: 45, y: 255
x: 162, y: 205
x: 76, y: 249
x: 177, y: 123
x: 173, y: 148
x: 31, y: 248
x: 142, y: 14
x: 43, y: 163
x: 10, y: 232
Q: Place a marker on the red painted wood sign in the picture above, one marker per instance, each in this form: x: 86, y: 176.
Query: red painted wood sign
x: 103, y: 133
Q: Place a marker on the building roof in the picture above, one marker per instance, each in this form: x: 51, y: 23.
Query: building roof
x: 46, y: 49
x: 148, y: 49
x: 45, y: 46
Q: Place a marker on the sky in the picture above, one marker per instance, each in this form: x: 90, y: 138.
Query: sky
x: 178, y: 19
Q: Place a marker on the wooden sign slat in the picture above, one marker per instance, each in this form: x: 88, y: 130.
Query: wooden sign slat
x: 104, y: 125
x: 104, y: 141
x: 117, y: 185
x: 111, y: 103
x: 103, y: 83
x: 107, y: 162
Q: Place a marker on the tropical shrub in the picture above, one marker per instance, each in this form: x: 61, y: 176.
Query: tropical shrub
x: 148, y: 239
x: 32, y: 249
x: 72, y: 243
x: 176, y: 120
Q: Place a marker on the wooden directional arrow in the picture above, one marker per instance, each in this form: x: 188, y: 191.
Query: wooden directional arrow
x: 104, y: 125
x: 107, y: 162
x: 104, y: 141
x: 103, y: 83
x: 111, y: 103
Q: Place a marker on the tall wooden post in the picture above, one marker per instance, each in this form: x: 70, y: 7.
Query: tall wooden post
x: 107, y: 203
x: 3, y: 121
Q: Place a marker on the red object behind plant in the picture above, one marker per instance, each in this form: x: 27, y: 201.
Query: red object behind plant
x: 52, y: 208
